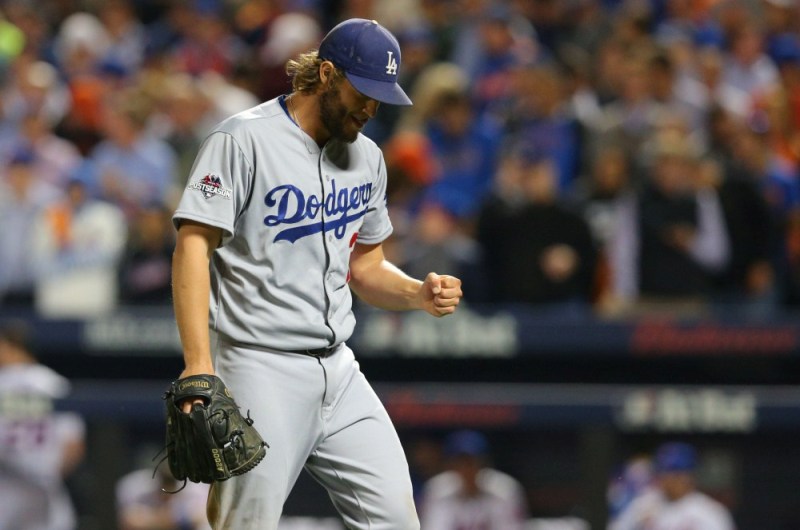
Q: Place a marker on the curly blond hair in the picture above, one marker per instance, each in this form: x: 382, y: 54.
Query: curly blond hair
x: 304, y: 72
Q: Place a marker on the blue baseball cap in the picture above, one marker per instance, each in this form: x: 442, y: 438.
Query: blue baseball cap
x: 466, y: 443
x: 370, y: 57
x: 675, y: 457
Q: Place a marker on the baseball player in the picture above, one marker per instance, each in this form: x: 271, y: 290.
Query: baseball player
x: 674, y: 503
x: 283, y: 216
x: 472, y: 495
x: 40, y: 447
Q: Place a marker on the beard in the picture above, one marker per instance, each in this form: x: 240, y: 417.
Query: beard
x: 333, y: 115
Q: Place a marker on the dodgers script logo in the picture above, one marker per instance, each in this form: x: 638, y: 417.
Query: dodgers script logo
x: 211, y: 185
x: 292, y: 207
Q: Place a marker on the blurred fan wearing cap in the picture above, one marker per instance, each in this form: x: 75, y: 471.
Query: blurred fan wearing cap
x: 472, y: 494
x: 674, y: 501
x: 675, y: 464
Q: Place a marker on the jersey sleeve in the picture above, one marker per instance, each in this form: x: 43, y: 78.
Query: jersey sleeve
x: 377, y: 225
x: 218, y: 186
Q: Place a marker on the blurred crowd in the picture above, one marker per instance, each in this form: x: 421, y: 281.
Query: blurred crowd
x: 606, y: 156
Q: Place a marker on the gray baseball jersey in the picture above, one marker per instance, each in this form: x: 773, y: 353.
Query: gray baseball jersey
x: 290, y: 214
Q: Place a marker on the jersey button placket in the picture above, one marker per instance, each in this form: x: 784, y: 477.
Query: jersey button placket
x: 329, y: 250
x: 330, y: 236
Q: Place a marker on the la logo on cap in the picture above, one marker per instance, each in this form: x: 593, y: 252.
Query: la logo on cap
x: 391, y: 65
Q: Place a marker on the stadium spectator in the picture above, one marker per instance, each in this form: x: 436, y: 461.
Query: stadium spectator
x: 776, y: 179
x: 126, y: 35
x: 528, y: 235
x: 465, y: 146
x: 635, y: 115
x: 671, y: 238
x: 57, y: 159
x: 145, y: 268
x: 36, y: 90
x: 76, y: 245
x: 775, y: 176
x: 670, y: 95
x: 599, y: 191
x: 538, y: 114
x: 41, y: 446
x: 130, y: 167
x: 23, y: 196
x: 507, y: 42
x: 472, y: 495
x: 608, y: 70
x: 704, y: 86
x: 674, y: 501
x: 746, y: 66
x: 598, y: 196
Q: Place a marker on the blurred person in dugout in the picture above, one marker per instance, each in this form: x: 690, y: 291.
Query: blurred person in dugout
x: 41, y: 446
x: 471, y: 495
x: 147, y: 502
x: 673, y: 502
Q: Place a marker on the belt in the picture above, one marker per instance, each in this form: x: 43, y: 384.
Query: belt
x: 313, y: 352
x: 318, y: 352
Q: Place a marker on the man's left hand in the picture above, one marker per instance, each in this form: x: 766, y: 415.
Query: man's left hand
x: 440, y: 294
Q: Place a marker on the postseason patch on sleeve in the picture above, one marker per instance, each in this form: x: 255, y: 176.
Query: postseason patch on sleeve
x: 210, y: 186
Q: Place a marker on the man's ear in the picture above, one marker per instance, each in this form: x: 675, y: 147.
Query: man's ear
x: 326, y: 69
